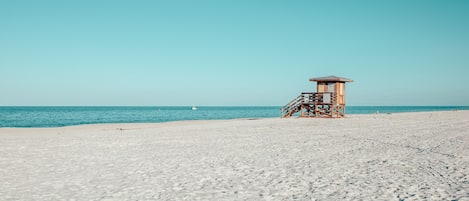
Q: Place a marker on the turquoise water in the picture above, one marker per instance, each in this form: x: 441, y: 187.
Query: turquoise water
x: 66, y: 116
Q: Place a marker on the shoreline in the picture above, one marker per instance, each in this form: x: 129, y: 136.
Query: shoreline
x: 45, y: 117
x: 411, y: 156
x: 215, y: 120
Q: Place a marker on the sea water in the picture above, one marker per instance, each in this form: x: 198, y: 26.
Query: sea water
x: 66, y: 116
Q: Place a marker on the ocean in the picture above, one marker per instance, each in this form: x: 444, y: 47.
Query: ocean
x: 66, y: 116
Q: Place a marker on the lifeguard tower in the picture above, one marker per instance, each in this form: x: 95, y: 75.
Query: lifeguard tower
x: 327, y: 102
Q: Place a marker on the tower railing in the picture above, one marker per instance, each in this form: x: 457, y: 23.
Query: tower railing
x: 309, y: 101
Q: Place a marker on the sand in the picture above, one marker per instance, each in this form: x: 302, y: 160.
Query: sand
x: 406, y: 156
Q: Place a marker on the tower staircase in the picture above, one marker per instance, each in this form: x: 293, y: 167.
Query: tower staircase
x: 311, y: 104
x: 293, y: 106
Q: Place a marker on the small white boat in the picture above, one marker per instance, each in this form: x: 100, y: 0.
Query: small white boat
x: 193, y: 107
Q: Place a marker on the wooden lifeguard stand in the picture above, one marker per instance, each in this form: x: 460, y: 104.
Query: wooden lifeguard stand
x: 327, y: 102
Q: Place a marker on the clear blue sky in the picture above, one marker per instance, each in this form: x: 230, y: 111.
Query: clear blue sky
x: 231, y: 52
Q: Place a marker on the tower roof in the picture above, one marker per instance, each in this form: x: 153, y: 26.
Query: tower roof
x: 330, y: 79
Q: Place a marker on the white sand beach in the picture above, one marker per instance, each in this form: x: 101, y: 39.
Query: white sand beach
x: 406, y: 156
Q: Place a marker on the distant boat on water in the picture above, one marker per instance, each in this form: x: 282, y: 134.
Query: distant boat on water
x: 194, y: 108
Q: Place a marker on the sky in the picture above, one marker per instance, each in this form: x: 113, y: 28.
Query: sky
x: 231, y: 53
